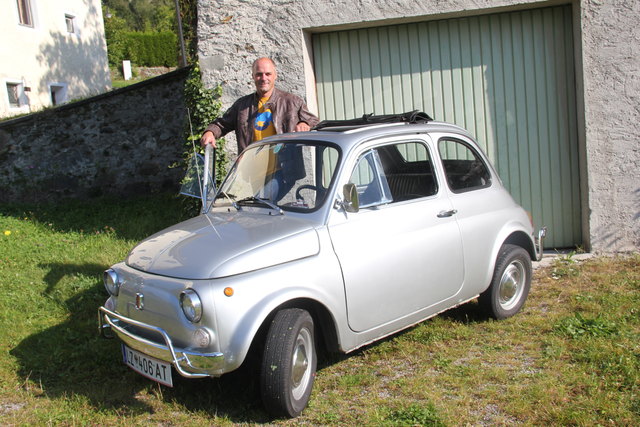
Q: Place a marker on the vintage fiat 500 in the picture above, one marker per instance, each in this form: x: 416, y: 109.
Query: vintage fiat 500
x: 335, y: 237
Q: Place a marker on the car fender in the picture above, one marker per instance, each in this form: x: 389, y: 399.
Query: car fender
x: 517, y: 231
x: 264, y: 292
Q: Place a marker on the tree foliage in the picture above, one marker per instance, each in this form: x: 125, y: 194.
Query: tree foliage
x: 143, y: 15
x: 189, y: 17
x: 115, y: 30
x: 123, y: 17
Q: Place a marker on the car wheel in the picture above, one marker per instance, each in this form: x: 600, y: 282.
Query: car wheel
x: 510, y: 283
x: 289, y: 363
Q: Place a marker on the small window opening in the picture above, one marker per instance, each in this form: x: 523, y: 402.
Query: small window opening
x: 13, y: 92
x: 58, y: 94
x: 70, y: 21
x: 24, y: 13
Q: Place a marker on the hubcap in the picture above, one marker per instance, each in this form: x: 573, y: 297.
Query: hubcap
x: 512, y: 284
x: 300, y: 372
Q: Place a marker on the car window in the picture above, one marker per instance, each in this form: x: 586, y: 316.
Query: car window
x: 464, y: 168
x: 409, y: 170
x: 294, y: 176
x: 370, y: 181
x: 394, y: 173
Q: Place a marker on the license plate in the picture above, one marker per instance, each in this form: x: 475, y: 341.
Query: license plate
x: 154, y: 369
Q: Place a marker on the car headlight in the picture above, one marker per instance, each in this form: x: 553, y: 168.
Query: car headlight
x: 191, y: 305
x: 111, y: 281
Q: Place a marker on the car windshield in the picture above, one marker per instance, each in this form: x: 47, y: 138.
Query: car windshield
x: 287, y: 175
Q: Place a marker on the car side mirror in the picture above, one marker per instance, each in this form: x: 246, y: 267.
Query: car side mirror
x: 351, y: 203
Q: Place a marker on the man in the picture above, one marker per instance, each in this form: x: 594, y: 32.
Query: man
x: 266, y: 112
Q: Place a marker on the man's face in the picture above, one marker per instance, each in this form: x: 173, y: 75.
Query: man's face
x: 264, y: 76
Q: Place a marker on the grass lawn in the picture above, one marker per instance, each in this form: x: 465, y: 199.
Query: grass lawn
x: 572, y: 357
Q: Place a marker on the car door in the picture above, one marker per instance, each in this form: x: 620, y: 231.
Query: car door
x: 483, y: 207
x: 401, y: 253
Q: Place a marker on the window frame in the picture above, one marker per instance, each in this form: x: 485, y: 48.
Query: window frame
x: 25, y: 13
x: 13, y: 92
x: 70, y: 18
x: 378, y: 181
x: 23, y: 101
x: 58, y: 89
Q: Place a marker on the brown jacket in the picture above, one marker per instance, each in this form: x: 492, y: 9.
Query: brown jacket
x: 287, y: 109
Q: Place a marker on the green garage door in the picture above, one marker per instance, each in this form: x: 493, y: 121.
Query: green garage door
x: 507, y: 78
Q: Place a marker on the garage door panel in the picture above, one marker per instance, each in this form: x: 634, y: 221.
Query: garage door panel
x: 507, y: 78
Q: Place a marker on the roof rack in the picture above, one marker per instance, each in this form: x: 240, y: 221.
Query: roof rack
x: 414, y: 116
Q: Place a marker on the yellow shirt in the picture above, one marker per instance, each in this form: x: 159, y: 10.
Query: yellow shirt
x: 263, y: 125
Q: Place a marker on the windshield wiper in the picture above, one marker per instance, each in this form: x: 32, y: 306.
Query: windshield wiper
x: 261, y: 201
x: 231, y: 198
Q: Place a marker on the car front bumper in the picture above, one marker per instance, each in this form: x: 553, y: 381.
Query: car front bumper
x: 188, y: 363
x: 538, y: 240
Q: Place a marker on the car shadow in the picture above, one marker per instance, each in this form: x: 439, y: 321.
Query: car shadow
x: 468, y: 313
x: 71, y: 358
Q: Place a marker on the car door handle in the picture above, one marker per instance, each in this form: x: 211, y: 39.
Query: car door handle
x: 445, y: 214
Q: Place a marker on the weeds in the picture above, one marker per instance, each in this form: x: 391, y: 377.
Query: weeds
x: 577, y: 326
x: 564, y: 266
x: 413, y: 415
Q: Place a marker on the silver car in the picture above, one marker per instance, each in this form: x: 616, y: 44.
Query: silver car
x: 335, y: 237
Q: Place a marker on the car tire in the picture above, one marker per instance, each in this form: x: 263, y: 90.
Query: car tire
x: 510, y: 284
x: 289, y: 363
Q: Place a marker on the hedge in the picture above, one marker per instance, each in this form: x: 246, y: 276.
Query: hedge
x: 152, y: 49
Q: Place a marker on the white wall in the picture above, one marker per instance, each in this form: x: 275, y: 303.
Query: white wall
x: 47, y: 54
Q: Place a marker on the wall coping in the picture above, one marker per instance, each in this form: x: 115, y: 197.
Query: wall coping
x: 115, y: 92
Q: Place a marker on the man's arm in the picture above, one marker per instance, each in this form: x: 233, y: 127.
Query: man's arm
x: 306, y: 119
x: 220, y: 126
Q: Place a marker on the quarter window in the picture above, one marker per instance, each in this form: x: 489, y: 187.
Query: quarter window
x: 464, y: 168
x: 24, y: 12
x: 370, y: 181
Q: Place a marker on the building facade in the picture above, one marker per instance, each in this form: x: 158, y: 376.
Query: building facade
x: 549, y: 88
x: 52, y: 52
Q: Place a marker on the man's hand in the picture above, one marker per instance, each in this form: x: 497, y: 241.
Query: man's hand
x: 302, y: 127
x: 208, y: 138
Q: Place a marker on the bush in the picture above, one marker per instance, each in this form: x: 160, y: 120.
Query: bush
x: 152, y: 49
x: 115, y: 33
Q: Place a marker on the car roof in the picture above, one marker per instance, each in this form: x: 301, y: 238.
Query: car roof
x: 350, y: 134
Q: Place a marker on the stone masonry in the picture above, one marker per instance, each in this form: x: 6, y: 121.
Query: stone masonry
x: 121, y: 143
x: 232, y: 33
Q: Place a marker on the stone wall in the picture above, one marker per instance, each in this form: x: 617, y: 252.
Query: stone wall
x: 232, y: 33
x: 121, y: 143
x: 611, y: 73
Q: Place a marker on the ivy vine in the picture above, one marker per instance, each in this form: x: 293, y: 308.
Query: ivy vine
x: 203, y: 107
